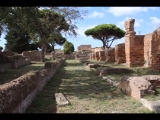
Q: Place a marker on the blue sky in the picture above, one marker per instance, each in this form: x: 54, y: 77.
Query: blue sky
x: 147, y: 19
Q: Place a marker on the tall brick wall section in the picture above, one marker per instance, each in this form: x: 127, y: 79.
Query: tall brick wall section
x: 97, y: 57
x: 120, y: 56
x: 34, y: 55
x: 134, y: 49
x: 147, y: 50
x: 18, y: 94
x: 110, y: 55
x: 94, y: 56
x: 155, y: 50
x: 102, y: 55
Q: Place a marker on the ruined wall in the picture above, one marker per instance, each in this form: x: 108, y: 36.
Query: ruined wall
x: 134, y: 45
x: 155, y: 50
x: 18, y: 94
x: 102, y: 55
x: 110, y: 55
x: 18, y: 61
x: 120, y: 56
x: 84, y: 47
x: 97, y: 57
x: 59, y: 55
x: 94, y: 56
x: 34, y: 55
x: 147, y: 49
x: 6, y: 57
x: 97, y: 49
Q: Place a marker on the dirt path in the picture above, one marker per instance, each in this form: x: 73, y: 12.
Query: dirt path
x: 86, y: 92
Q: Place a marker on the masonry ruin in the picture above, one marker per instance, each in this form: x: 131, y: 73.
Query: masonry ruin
x: 84, y: 47
x: 18, y: 94
x: 120, y: 53
x: 142, y: 50
x: 34, y: 55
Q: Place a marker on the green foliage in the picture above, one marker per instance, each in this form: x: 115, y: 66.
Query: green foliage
x: 18, y: 40
x: 107, y: 33
x: 1, y: 48
x: 42, y: 25
x: 68, y: 47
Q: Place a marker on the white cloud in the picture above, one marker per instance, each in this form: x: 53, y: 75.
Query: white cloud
x: 96, y: 14
x: 81, y: 30
x: 155, y: 22
x: 120, y: 11
x: 138, y: 23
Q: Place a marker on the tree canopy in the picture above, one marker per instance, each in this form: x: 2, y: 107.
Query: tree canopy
x: 68, y: 47
x: 107, y: 33
x: 16, y: 37
x: 42, y: 24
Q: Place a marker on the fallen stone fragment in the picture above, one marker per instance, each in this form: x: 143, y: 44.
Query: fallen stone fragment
x: 151, y: 105
x: 61, y: 100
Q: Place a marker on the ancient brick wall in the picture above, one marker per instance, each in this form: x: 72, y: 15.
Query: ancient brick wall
x: 19, y: 60
x: 147, y: 49
x: 110, y: 55
x: 97, y: 49
x: 120, y: 56
x: 97, y: 57
x: 155, y: 50
x: 59, y: 55
x: 134, y: 49
x: 102, y: 55
x: 84, y: 47
x: 5, y: 57
x: 134, y: 45
x: 94, y: 56
x: 34, y: 55
x: 18, y: 94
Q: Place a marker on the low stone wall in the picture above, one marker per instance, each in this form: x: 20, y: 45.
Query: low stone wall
x: 18, y: 61
x: 18, y: 94
x: 34, y: 55
x: 6, y: 57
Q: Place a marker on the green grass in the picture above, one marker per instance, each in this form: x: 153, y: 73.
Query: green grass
x: 86, y: 92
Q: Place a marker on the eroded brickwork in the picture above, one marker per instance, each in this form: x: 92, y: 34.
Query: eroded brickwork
x: 102, y: 55
x: 19, y: 93
x: 134, y: 45
x: 84, y: 47
x: 34, y: 55
x: 154, y: 51
x: 147, y: 50
x: 97, y: 57
x: 110, y: 55
x: 120, y: 53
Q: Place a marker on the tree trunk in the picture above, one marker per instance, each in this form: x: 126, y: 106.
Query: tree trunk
x: 43, y: 50
x: 104, y: 45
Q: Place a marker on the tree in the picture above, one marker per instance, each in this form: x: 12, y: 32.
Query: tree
x: 68, y: 47
x: 41, y: 23
x: 56, y: 39
x: 107, y: 33
x: 1, y: 48
x: 16, y: 37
